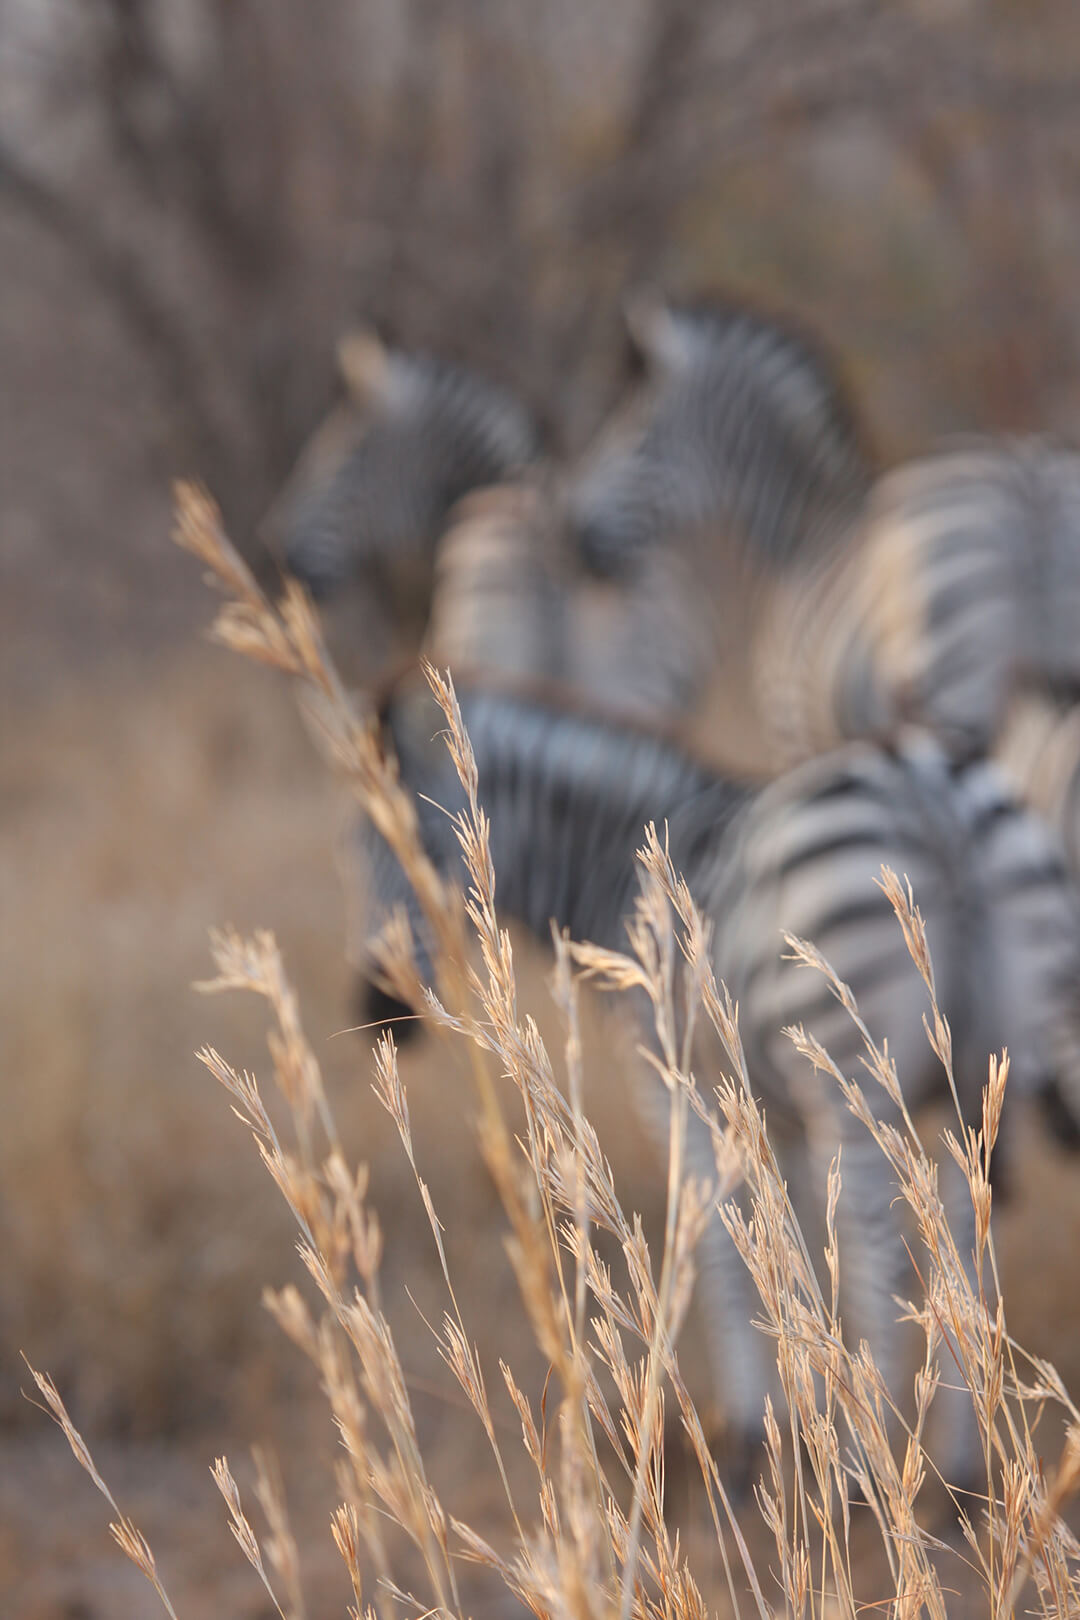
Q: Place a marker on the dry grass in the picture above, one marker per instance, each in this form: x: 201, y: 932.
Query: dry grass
x: 589, y: 1534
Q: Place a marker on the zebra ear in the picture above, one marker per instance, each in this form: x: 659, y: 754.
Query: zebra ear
x: 364, y: 363
x: 656, y: 332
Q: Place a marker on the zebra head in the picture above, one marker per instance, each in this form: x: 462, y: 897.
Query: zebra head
x: 741, y: 426
x: 372, y: 489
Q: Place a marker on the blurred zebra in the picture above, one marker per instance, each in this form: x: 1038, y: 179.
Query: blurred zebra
x: 499, y: 603
x: 567, y: 798
x: 508, y: 604
x: 1039, y: 751
x: 960, y: 588
x: 741, y: 434
x: 428, y: 483
x: 372, y: 490
x: 929, y: 599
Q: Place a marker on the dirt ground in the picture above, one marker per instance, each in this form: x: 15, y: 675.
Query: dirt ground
x: 147, y: 797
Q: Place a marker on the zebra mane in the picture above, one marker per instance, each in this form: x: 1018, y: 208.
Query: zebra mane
x: 424, y: 387
x: 746, y: 425
x: 772, y: 346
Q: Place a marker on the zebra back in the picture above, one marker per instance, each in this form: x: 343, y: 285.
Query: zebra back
x: 743, y: 430
x: 568, y: 799
x: 944, y: 600
x: 961, y: 587
x: 371, y: 492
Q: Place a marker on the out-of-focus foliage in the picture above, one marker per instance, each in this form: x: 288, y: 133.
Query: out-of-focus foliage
x: 233, y: 182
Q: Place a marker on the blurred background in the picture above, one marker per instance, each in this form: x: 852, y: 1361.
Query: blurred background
x: 196, y: 199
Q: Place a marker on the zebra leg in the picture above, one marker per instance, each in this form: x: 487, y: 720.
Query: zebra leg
x: 874, y: 1267
x: 874, y: 1264
x: 739, y: 1356
x: 957, y: 1443
x: 727, y: 1299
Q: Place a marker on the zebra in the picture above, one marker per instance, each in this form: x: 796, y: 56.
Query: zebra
x: 1039, y: 750
x: 742, y: 431
x: 498, y: 602
x: 372, y: 489
x: 430, y: 480
x: 507, y: 602
x: 959, y: 589
x: 926, y: 596
x: 567, y: 798
x: 1039, y: 753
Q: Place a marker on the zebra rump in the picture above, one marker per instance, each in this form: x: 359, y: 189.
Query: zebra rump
x: 742, y: 430
x: 372, y: 490
x: 567, y: 800
x: 961, y: 588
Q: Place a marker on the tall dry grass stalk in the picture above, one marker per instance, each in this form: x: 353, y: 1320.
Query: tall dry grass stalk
x: 592, y: 1539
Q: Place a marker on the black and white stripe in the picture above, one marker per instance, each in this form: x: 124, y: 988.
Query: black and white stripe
x: 1039, y: 751
x: 427, y: 482
x: 568, y: 798
x: 372, y: 491
x: 508, y: 603
x: 499, y: 601
x: 960, y: 589
x: 742, y: 430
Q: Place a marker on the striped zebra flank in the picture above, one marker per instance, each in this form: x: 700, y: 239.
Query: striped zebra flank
x: 568, y: 798
x: 815, y: 671
x: 1039, y: 750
